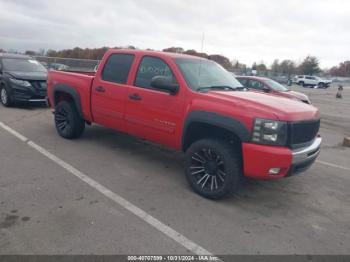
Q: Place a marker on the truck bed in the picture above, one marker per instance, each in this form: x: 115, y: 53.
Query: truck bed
x: 80, y: 81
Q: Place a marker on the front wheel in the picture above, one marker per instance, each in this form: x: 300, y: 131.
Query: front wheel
x: 67, y: 120
x: 213, y: 168
x: 5, y: 97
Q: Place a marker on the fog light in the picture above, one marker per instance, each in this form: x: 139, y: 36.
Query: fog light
x: 274, y: 171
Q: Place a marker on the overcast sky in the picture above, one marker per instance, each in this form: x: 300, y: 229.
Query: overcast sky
x: 246, y: 30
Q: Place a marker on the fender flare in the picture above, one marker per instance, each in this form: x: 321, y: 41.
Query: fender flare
x: 205, y: 117
x: 72, y: 92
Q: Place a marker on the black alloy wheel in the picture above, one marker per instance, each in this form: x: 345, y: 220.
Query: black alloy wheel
x: 213, y: 168
x: 67, y: 120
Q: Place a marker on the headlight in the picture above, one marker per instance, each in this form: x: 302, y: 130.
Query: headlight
x: 20, y: 82
x: 270, y: 132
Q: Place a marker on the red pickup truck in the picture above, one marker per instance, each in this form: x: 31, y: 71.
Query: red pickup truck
x: 194, y: 105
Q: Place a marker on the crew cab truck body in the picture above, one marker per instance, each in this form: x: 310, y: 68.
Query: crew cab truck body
x: 194, y: 105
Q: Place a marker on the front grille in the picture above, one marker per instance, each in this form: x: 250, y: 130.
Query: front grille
x: 303, y: 132
x: 40, y: 87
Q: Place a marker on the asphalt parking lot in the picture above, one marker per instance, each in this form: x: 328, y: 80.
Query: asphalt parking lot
x: 46, y: 209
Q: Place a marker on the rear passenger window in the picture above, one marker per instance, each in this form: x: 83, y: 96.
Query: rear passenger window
x: 151, y: 67
x: 117, y: 68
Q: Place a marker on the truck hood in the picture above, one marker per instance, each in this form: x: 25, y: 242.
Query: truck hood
x: 284, y: 109
x: 28, y: 75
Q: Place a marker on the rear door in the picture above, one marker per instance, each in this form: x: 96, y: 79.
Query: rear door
x: 310, y: 80
x: 109, y: 91
x: 150, y: 113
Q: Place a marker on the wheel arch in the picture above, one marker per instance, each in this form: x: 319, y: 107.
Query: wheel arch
x: 65, y: 92
x: 201, y: 124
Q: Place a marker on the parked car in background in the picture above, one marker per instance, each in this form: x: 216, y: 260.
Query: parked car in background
x: 58, y: 66
x: 266, y: 85
x: 22, y: 78
x: 281, y: 79
x: 307, y: 80
x: 225, y: 131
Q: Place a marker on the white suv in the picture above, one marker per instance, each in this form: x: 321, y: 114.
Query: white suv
x: 305, y: 80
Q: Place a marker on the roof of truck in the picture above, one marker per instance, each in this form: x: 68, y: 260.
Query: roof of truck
x: 158, y: 53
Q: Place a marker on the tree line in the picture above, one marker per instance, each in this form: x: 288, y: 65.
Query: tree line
x: 309, y: 66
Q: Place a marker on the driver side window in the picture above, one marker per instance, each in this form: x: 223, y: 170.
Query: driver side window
x: 151, y: 67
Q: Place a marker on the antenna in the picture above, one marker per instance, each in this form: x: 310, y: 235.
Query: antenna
x: 202, y: 42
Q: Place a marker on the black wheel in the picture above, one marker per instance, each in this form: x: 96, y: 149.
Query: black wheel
x: 302, y: 84
x: 67, y: 120
x: 321, y: 85
x: 5, y: 97
x: 213, y: 168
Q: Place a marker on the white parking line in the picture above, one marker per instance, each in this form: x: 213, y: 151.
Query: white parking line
x: 332, y: 165
x: 14, y: 132
x: 168, y: 231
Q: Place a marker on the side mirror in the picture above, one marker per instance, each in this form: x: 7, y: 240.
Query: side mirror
x: 164, y: 83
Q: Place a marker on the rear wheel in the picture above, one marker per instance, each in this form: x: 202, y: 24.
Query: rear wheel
x: 321, y: 85
x: 5, y: 97
x: 213, y: 168
x: 67, y: 120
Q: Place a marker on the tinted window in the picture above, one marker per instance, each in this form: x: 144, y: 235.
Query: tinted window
x: 255, y: 84
x: 149, y: 68
x: 244, y: 82
x: 117, y: 68
x: 22, y: 65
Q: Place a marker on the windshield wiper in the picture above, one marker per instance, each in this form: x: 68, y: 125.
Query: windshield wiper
x: 207, y: 88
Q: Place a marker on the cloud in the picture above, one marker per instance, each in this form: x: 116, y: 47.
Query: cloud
x: 249, y: 31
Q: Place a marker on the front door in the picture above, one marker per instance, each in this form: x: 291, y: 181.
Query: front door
x: 150, y: 113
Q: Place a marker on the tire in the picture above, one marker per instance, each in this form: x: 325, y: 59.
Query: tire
x: 5, y: 98
x: 68, y: 123
x: 301, y: 83
x: 321, y: 85
x: 213, y: 168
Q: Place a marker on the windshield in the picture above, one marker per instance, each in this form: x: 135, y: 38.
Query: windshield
x: 276, y: 86
x: 201, y: 73
x: 23, y: 65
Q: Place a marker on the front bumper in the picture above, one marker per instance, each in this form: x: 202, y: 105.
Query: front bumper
x: 259, y: 159
x: 303, y: 158
x: 27, y: 94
